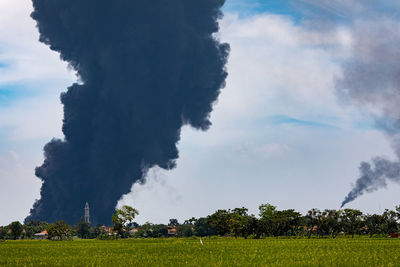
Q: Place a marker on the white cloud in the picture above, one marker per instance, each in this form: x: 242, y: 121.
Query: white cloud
x: 18, y: 188
x: 32, y: 119
x: 20, y: 50
x: 34, y: 115
x: 276, y: 67
x: 272, y: 58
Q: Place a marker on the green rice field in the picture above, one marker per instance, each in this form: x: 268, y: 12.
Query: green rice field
x: 214, y: 252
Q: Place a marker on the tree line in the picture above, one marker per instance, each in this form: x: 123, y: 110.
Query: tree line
x: 270, y: 222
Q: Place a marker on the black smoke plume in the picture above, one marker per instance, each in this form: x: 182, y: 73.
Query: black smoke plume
x: 370, y: 76
x: 371, y: 79
x: 374, y: 177
x: 146, y: 68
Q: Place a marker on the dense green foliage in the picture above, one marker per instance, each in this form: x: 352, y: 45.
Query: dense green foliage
x: 16, y: 230
x: 83, y: 229
x: 59, y: 231
x: 33, y: 227
x: 236, y: 223
x: 214, y: 252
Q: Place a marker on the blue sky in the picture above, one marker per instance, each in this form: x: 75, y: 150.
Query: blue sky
x: 296, y: 10
x: 10, y: 93
x: 280, y: 135
x: 283, y: 119
x: 252, y: 7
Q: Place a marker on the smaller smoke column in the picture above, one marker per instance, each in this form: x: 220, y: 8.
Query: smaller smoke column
x: 371, y: 80
x: 373, y: 177
x: 370, y: 76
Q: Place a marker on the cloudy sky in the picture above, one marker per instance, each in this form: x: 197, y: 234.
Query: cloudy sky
x: 281, y: 134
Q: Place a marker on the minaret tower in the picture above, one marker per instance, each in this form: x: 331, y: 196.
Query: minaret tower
x: 87, y: 216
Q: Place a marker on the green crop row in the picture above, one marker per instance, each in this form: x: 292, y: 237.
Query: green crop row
x: 213, y: 252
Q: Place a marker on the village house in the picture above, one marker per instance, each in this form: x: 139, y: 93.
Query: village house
x: 107, y: 230
x: 133, y: 231
x: 171, y: 231
x: 40, y: 236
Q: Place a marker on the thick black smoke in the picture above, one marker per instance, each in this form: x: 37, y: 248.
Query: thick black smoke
x: 146, y: 69
x: 370, y: 76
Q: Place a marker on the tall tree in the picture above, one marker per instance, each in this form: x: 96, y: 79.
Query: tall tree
x: 83, y: 230
x: 398, y: 212
x: 285, y: 222
x: 126, y: 214
x: 390, y: 224
x: 59, y: 231
x: 16, y: 230
x: 332, y: 222
x: 123, y: 218
x: 267, y: 213
x: 203, y: 228
x: 219, y: 220
x: 352, y: 221
x: 173, y: 222
x: 314, y: 222
x: 238, y: 220
x: 118, y: 223
x: 374, y: 224
x: 3, y: 232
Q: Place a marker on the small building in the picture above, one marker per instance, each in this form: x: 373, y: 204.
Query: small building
x: 107, y: 230
x: 40, y: 236
x: 133, y: 231
x: 171, y: 231
x: 394, y: 235
x: 314, y: 228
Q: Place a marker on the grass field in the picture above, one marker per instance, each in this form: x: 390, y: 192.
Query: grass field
x: 214, y: 252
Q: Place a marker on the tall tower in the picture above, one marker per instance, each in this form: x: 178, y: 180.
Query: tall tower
x: 87, y: 216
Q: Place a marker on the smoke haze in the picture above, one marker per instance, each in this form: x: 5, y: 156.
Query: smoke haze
x: 370, y: 77
x: 146, y: 69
